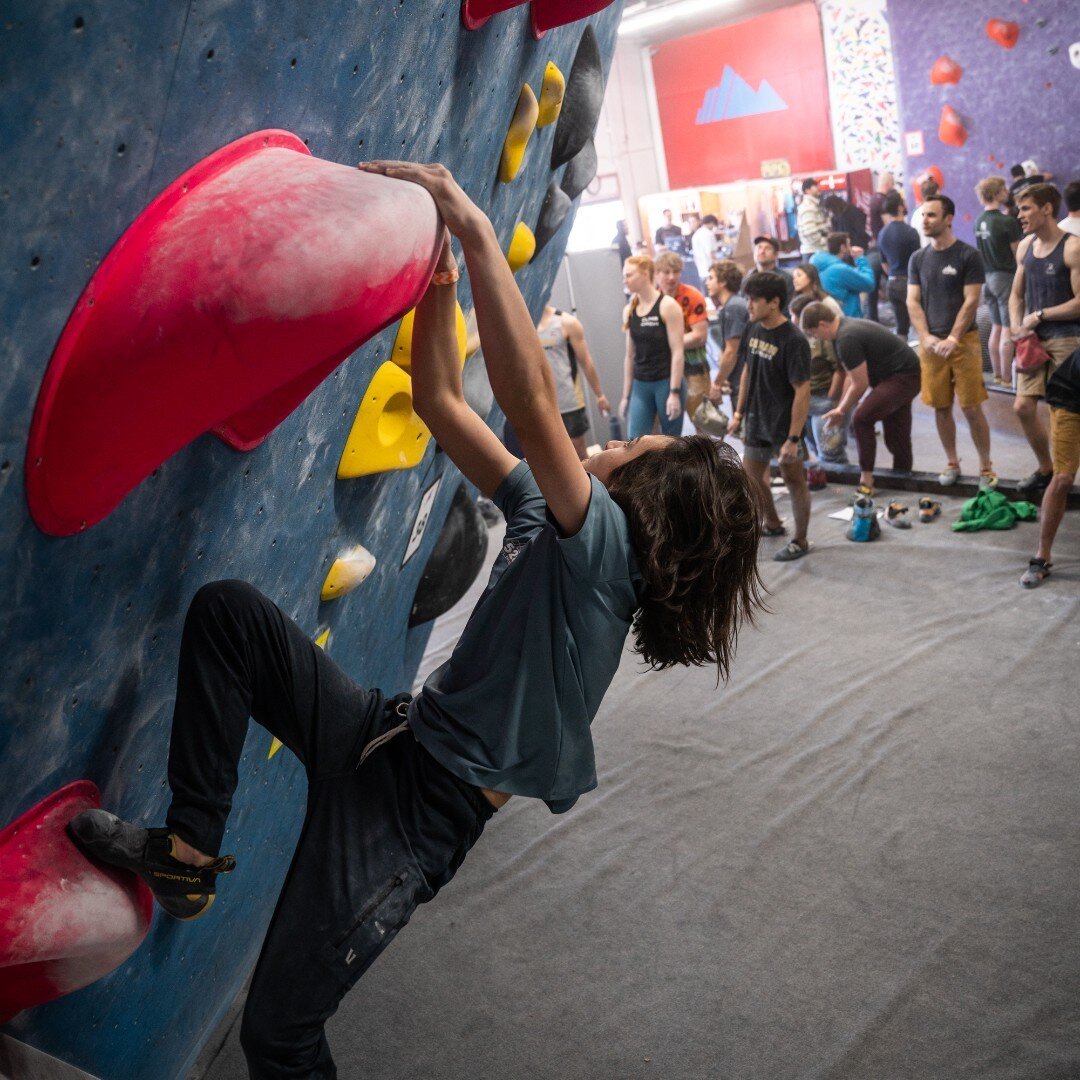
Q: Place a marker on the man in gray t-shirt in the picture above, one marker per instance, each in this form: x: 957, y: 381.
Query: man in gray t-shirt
x: 723, y: 282
x: 945, y: 281
x: 875, y: 359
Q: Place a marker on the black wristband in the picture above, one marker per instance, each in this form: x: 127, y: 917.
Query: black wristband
x: 792, y: 438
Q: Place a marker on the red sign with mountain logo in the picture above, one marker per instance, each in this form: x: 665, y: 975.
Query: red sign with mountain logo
x: 739, y: 95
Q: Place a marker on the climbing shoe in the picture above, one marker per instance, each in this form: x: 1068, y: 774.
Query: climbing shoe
x: 1037, y: 572
x: 184, y: 891
x: 928, y: 510
x: 896, y: 515
x: 950, y: 474
x: 1034, y: 484
x: 864, y: 523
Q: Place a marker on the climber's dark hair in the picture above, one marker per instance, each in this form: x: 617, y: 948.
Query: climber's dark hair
x: 694, y: 527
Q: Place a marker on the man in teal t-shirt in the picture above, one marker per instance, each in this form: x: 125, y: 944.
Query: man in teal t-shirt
x: 399, y: 791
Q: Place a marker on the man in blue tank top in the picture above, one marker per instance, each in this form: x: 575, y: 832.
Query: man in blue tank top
x: 1045, y: 301
x: 400, y: 789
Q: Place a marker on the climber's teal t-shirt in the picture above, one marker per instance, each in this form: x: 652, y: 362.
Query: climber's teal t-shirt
x: 512, y: 707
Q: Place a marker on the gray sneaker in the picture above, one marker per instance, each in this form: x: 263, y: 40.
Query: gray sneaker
x: 792, y: 551
x: 949, y: 475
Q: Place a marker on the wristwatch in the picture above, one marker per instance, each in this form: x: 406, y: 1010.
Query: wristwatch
x: 792, y: 438
x: 1038, y: 314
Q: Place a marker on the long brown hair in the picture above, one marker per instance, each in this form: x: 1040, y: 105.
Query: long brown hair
x: 694, y: 527
x: 811, y: 271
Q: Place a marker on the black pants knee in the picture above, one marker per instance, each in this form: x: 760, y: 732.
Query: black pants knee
x: 377, y: 839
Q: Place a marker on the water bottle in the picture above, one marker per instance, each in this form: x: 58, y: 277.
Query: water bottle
x: 616, y: 427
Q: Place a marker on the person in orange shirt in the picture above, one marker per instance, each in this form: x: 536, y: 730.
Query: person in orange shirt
x: 695, y: 326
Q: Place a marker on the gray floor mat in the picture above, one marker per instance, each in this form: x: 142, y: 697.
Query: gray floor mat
x: 858, y: 860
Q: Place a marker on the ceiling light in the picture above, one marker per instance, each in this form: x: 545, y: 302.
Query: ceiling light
x: 640, y: 20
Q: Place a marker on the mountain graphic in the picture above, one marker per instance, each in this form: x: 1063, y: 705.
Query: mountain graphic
x: 735, y: 97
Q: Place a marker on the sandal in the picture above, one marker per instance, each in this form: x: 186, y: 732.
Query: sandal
x: 865, y: 490
x: 896, y: 515
x: 776, y: 530
x: 928, y: 509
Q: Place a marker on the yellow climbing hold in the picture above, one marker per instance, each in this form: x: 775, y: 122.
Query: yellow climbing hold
x: 522, y: 247
x: 401, y: 353
x: 322, y: 641
x: 387, y: 433
x: 349, y: 569
x: 551, y: 95
x: 472, y: 334
x: 517, y: 135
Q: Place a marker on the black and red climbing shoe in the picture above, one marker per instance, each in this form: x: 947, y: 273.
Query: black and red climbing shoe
x: 184, y: 891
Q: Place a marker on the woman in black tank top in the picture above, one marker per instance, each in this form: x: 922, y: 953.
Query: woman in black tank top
x: 653, y: 382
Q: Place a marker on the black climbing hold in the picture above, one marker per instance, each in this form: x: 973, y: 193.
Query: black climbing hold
x: 580, y: 172
x: 455, y: 562
x: 553, y: 211
x: 581, y: 102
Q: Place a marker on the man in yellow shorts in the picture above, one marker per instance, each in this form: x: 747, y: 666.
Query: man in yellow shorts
x: 1063, y: 397
x: 945, y: 280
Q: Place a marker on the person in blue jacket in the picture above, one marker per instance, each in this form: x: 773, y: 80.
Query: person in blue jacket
x: 656, y: 538
x: 845, y: 273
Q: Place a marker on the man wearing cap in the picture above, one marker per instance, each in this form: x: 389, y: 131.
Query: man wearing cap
x: 766, y: 252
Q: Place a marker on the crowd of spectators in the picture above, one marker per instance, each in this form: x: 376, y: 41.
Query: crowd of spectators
x: 805, y: 360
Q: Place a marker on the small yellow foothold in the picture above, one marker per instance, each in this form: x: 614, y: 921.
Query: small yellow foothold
x: 551, y: 96
x: 518, y: 133
x: 386, y: 434
x: 323, y: 639
x: 522, y: 247
x: 401, y: 353
x: 472, y: 334
x: 349, y: 569
x: 275, y: 746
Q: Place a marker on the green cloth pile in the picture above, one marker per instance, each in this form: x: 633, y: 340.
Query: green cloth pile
x: 992, y: 510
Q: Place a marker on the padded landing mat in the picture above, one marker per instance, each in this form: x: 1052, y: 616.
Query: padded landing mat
x: 858, y: 860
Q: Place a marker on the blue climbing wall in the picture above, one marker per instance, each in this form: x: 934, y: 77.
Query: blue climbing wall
x: 103, y: 105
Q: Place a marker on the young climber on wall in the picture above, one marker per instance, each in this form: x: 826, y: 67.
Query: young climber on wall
x: 659, y: 535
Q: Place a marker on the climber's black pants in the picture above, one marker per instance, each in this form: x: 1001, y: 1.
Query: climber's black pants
x: 377, y: 840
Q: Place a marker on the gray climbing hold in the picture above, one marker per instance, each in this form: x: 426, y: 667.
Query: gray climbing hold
x: 475, y: 385
x: 454, y: 563
x: 581, y: 102
x: 581, y: 170
x: 553, y: 211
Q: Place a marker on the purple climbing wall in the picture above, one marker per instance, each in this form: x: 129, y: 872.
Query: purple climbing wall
x: 1015, y: 104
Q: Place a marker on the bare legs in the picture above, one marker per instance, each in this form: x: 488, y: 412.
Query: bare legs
x: 1026, y: 409
x: 977, y: 425
x: 794, y: 476
x: 1052, y: 511
x: 1000, y: 347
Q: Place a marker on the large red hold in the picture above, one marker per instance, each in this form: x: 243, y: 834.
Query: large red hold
x: 547, y: 14
x: 64, y: 921
x: 231, y: 297
x: 951, y: 130
x: 1004, y: 32
x: 945, y: 71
